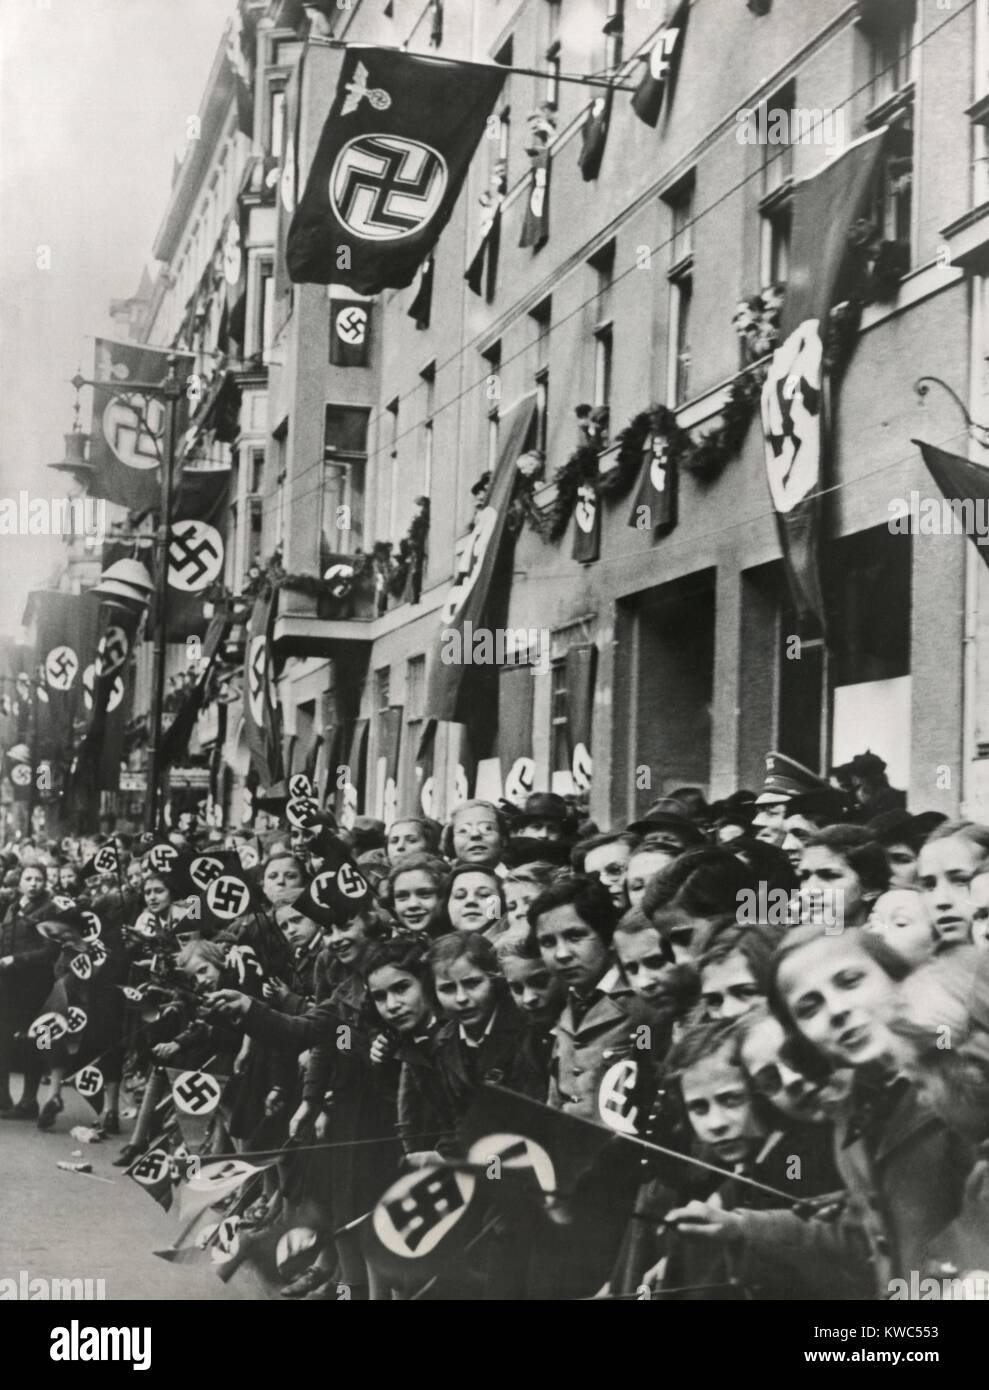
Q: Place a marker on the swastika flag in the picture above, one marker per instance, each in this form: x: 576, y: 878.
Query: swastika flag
x: 195, y: 549
x: 350, y: 332
x: 128, y: 430
x: 389, y: 166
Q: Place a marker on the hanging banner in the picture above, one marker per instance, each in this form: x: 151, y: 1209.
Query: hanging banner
x: 350, y: 332
x: 261, y: 719
x: 662, y: 64
x: 581, y: 668
x: 594, y: 136
x: 107, y: 690
x: 426, y: 800
x: 518, y: 767
x: 655, y: 505
x: 453, y: 675
x: 389, y: 746
x: 535, y: 223
x: 196, y: 550
x: 128, y: 431
x: 824, y: 208
x: 389, y: 166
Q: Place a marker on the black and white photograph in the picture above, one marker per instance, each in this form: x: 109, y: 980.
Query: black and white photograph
x: 494, y: 666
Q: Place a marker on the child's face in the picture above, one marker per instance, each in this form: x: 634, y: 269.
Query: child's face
x: 830, y: 889
x: 902, y: 861
x: 643, y: 961
x: 728, y: 988
x: 298, y: 930
x: 945, y: 870
x: 792, y: 1093
x: 535, y: 989
x: 465, y: 993
x: 399, y: 998
x: 901, y: 916
x: 405, y: 837
x: 205, y: 974
x: 641, y: 867
x: 518, y: 896
x: 345, y: 940
x: 571, y: 947
x: 718, y: 1102
x: 282, y: 880
x: 609, y: 865
x: 474, y: 902
x: 840, y: 1000
x: 414, y: 897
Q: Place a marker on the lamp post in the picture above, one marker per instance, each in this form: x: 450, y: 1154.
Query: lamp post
x: 169, y: 391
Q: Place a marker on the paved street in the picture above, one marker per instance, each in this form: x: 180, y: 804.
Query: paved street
x: 56, y: 1224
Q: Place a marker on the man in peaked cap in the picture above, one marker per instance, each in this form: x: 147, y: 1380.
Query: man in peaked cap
x: 786, y: 779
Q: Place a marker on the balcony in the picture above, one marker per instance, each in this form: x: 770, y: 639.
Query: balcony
x: 317, y: 624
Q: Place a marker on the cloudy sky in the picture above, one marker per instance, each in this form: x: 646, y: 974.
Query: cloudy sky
x: 94, y: 98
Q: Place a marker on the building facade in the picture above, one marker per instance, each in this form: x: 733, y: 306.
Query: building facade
x: 628, y: 303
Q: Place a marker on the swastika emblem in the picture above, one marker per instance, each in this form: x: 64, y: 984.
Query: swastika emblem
x: 340, y: 578
x: 586, y: 508
x: 204, y: 869
x: 134, y: 435
x: 301, y: 811
x: 97, y: 954
x: 520, y: 780
x: 257, y: 674
x: 89, y: 1081
x: 47, y: 1029
x: 89, y: 681
x: 162, y: 857
x: 352, y: 325
x: 62, y: 903
x: 76, y: 1019
x: 537, y: 198
x: 228, y: 897
x: 111, y: 652
x: 351, y: 883
x: 420, y: 1209
x: 295, y: 1249
x: 81, y: 967
x: 20, y: 775
x: 470, y: 566
x: 581, y: 767
x: 616, y: 1104
x: 105, y: 860
x: 151, y: 1168
x: 222, y: 1239
x: 299, y: 785
x: 196, y: 1093
x: 516, y: 1154
x: 385, y: 187
x: 195, y: 555
x: 61, y: 666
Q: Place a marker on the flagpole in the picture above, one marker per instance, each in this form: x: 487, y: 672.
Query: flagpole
x: 320, y: 42
x: 170, y: 391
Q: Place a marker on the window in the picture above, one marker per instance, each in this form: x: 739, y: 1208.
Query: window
x: 680, y: 201
x: 428, y: 376
x: 614, y: 30
x: 264, y: 308
x: 774, y: 249
x: 559, y: 744
x: 344, y: 466
x: 392, y: 410
x: 553, y: 72
x: 257, y: 473
x: 602, y: 365
x: 506, y: 57
x: 603, y: 265
x: 276, y: 119
x: 892, y: 51
x: 682, y: 293
x: 382, y: 688
x: 415, y: 703
x: 891, y: 41
x: 492, y: 395
x: 542, y: 317
x: 280, y: 438
x: 777, y: 155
